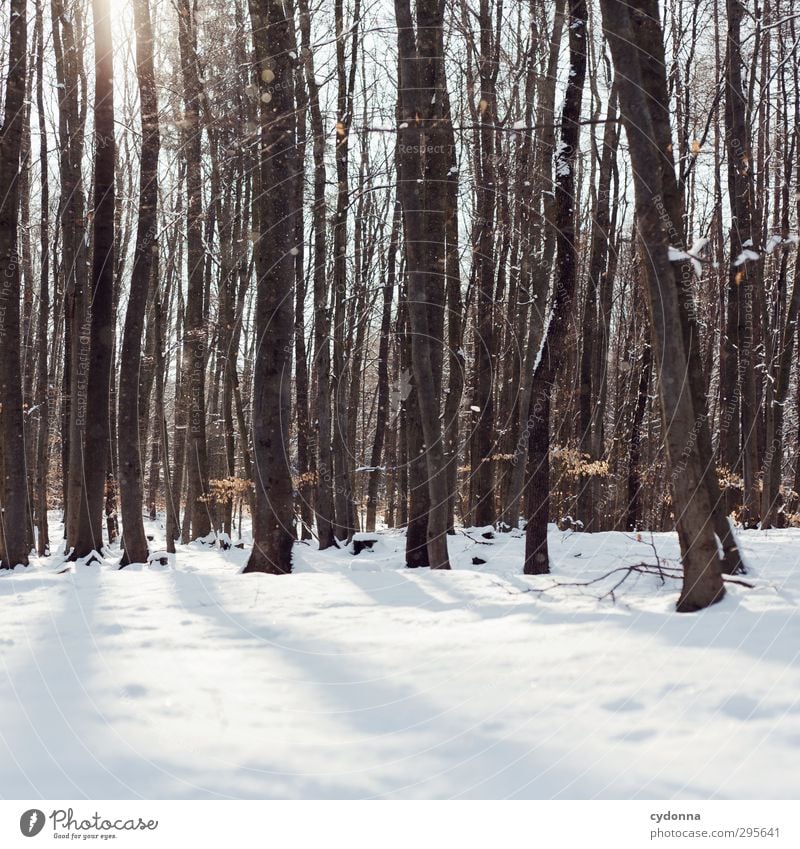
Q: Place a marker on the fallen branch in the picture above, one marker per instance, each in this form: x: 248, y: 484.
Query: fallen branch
x: 657, y: 570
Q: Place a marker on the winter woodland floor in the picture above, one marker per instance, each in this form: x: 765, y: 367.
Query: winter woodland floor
x: 355, y: 677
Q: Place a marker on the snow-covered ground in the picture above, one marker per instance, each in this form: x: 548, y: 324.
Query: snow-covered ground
x: 355, y: 677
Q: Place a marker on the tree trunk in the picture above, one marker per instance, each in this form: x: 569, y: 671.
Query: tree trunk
x: 631, y: 34
x: 194, y: 339
x: 382, y: 413
x: 589, y: 406
x: 423, y: 160
x: 553, y: 347
x: 745, y: 268
x: 95, y: 418
x: 343, y: 490
x: 323, y: 502
x: 482, y: 407
x: 42, y: 378
x: 131, y: 477
x: 13, y: 542
x: 272, y: 523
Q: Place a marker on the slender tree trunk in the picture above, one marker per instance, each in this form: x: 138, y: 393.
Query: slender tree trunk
x: 42, y: 378
x: 634, y: 511
x: 194, y: 339
x: 745, y: 269
x: 589, y: 408
x: 482, y: 407
x: 304, y: 455
x: 343, y: 490
x: 323, y: 502
x: 382, y: 413
x: 553, y: 347
x: 536, y: 271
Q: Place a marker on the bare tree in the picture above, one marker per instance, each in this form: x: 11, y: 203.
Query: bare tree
x: 94, y: 420
x: 13, y: 538
x: 273, y: 519
x: 423, y: 159
x: 130, y: 449
x: 634, y: 36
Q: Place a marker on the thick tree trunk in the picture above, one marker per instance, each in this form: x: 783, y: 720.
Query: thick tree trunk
x: 631, y: 35
x: 272, y: 522
x: 131, y: 477
x: 423, y: 161
x: 14, y: 491
x: 95, y: 418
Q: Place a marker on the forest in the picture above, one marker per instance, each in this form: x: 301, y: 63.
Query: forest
x: 282, y: 274
x: 400, y: 399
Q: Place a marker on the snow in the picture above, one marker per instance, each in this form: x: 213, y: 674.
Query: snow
x: 675, y: 254
x: 745, y: 256
x: 562, y: 165
x: 773, y: 243
x: 356, y: 677
x: 693, y: 254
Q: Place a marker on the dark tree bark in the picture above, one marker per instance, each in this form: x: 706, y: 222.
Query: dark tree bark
x: 180, y: 420
x: 783, y: 341
x: 194, y: 338
x: 553, y: 347
x: 382, y: 412
x: 745, y: 268
x: 345, y: 78
x: 672, y: 211
x: 13, y: 536
x: 323, y: 502
x: 590, y: 410
x: 273, y: 519
x: 423, y: 160
x: 630, y: 36
x: 305, y: 463
x: 535, y: 271
x: 42, y: 374
x: 96, y: 423
x: 71, y: 77
x: 130, y: 450
x: 634, y: 511
x: 482, y: 407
